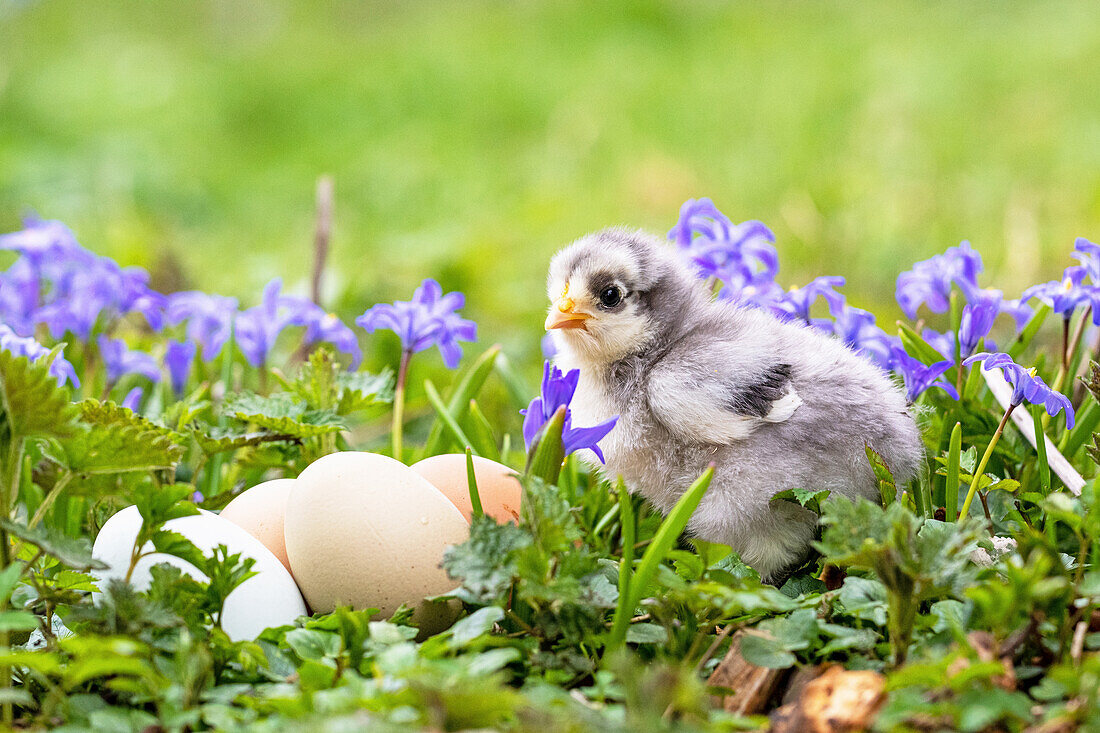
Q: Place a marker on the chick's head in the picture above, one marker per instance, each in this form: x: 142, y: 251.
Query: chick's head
x: 613, y: 293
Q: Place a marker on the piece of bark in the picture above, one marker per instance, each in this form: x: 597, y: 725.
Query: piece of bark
x: 839, y: 701
x: 752, y: 686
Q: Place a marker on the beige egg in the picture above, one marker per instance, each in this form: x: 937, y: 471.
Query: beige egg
x: 499, y: 489
x: 367, y: 531
x: 260, y: 511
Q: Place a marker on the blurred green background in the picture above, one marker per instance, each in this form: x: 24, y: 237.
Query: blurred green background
x: 469, y: 141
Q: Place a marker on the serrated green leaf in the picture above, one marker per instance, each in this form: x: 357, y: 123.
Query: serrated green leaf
x: 807, y: 498
x: 32, y: 401
x: 117, y: 440
x: 361, y: 390
x: 283, y: 413
x: 214, y: 439
x: 74, y: 552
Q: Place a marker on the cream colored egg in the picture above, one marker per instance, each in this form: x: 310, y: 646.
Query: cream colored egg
x: 499, y: 489
x: 367, y: 531
x: 260, y: 511
x: 269, y: 598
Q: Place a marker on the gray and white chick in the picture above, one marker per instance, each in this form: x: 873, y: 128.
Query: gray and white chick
x: 775, y: 405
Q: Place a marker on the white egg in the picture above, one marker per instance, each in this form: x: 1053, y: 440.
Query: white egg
x: 365, y: 530
x: 269, y: 598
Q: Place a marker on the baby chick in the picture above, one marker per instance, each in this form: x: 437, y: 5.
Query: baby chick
x: 775, y: 405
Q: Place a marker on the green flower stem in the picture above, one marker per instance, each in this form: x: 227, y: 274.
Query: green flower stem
x: 1069, y: 352
x: 980, y: 470
x: 399, y: 404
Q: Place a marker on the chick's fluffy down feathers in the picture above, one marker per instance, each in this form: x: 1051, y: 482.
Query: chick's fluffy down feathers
x: 775, y: 405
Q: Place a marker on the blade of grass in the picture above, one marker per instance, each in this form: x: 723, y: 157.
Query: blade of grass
x: 444, y: 414
x: 917, y: 347
x: 1041, y: 449
x: 1087, y: 420
x: 480, y: 431
x: 951, y: 495
x: 662, y: 542
x: 629, y: 537
x: 471, y: 483
x: 1024, y: 339
x: 467, y: 389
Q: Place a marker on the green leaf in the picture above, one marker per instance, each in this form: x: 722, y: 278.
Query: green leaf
x: 362, y: 390
x: 1023, y: 340
x: 765, y: 651
x: 669, y: 531
x: 31, y: 402
x: 547, y: 453
x: 807, y: 498
x: 18, y: 621
x: 479, y: 623
x: 283, y: 413
x: 951, y: 493
x: 486, y: 562
x: 214, y: 439
x: 467, y: 389
x: 73, y: 552
x: 888, y: 490
x: 450, y: 422
x: 118, y: 440
x: 313, y: 644
x: 477, y: 427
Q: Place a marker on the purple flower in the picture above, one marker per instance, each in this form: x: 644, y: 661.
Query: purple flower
x: 132, y: 400
x: 46, y: 244
x: 918, y: 377
x: 929, y: 282
x: 209, y: 318
x: 743, y: 286
x: 1018, y: 309
x: 1066, y: 295
x: 322, y: 327
x: 1027, y: 386
x: 258, y: 328
x: 120, y: 360
x: 975, y: 324
x: 549, y: 348
x: 32, y: 350
x: 856, y: 327
x: 19, y: 296
x: 557, y: 391
x: 941, y: 342
x: 718, y: 248
x: 1088, y: 254
x: 429, y: 319
x: 178, y: 358
x: 798, y: 301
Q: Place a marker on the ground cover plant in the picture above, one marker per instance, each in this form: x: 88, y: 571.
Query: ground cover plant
x: 966, y: 600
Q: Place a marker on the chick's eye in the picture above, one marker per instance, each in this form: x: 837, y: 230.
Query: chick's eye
x: 610, y: 296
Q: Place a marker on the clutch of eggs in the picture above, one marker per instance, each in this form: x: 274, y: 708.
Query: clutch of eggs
x: 357, y: 529
x: 269, y: 598
x: 365, y: 530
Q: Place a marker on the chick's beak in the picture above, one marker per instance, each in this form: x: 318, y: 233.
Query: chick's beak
x: 563, y: 314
